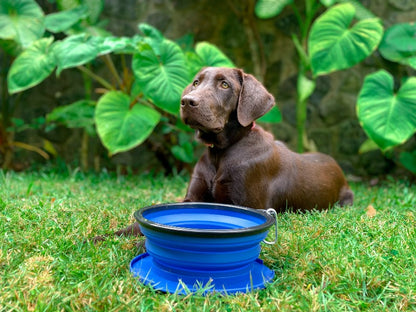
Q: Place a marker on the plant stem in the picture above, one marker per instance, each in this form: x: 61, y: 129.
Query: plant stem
x: 5, y: 147
x: 85, y: 136
x: 96, y: 162
x: 127, y: 75
x: 84, y: 150
x: 300, y: 122
x: 4, y: 96
x: 87, y: 85
x: 110, y: 64
x: 301, y: 50
x: 299, y: 18
x: 31, y: 148
x: 97, y: 78
x: 311, y: 7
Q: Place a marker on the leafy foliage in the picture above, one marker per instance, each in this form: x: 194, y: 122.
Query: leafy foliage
x: 361, y: 12
x: 270, y: 8
x: 335, y: 42
x: 21, y: 21
x: 76, y: 115
x: 387, y: 117
x: 32, y: 66
x: 399, y: 44
x: 210, y: 55
x: 62, y: 21
x: 138, y: 99
x: 333, y: 45
x: 408, y: 159
x: 75, y: 50
x: 163, y: 76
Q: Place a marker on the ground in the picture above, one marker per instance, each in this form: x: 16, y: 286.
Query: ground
x: 354, y: 258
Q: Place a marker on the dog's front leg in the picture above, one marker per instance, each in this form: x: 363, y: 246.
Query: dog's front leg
x: 198, y: 191
x: 199, y: 188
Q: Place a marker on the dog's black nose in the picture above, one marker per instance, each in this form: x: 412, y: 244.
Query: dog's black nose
x: 189, y: 101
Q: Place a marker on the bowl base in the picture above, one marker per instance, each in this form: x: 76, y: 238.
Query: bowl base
x: 254, y: 276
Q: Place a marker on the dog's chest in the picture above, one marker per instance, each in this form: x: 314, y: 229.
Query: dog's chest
x: 227, y: 181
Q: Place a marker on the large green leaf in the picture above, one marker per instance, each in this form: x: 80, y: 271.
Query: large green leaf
x: 61, y: 21
x: 399, y: 44
x: 333, y: 45
x: 76, y: 50
x: 32, y: 66
x: 270, y: 8
x: 212, y: 56
x: 120, y: 126
x: 21, y: 21
x: 361, y: 12
x: 387, y: 117
x: 162, y: 77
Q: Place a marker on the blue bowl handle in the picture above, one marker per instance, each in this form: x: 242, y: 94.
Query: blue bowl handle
x: 273, y: 213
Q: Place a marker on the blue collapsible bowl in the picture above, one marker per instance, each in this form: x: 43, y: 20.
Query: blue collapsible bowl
x: 194, y: 246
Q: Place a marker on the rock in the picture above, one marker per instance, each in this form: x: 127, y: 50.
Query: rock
x: 403, y: 5
x: 337, y: 107
x: 323, y: 139
x: 283, y: 131
x: 374, y: 163
x: 350, y: 138
x: 323, y: 86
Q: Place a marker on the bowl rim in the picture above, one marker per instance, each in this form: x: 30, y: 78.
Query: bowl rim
x: 170, y: 229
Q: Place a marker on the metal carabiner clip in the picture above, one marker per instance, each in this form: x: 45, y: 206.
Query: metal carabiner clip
x: 273, y: 213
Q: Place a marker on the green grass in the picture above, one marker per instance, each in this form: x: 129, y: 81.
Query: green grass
x: 338, y: 260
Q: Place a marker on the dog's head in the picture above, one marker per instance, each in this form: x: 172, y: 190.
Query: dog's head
x: 217, y: 92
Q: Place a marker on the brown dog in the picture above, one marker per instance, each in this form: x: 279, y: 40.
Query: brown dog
x: 243, y: 164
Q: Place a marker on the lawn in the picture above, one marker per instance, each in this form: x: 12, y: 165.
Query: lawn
x: 354, y: 258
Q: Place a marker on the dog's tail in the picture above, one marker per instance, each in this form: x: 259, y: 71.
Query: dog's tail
x: 346, y: 196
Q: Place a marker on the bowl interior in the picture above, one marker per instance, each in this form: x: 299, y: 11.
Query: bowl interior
x: 203, y: 217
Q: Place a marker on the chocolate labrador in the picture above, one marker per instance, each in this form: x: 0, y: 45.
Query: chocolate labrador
x: 243, y: 164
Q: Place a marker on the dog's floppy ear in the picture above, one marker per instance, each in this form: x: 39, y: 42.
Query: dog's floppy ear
x: 254, y: 100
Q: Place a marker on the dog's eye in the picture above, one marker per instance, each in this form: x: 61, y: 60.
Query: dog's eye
x: 195, y: 83
x: 225, y: 85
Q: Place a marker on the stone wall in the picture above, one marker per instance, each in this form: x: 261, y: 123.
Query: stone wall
x: 264, y: 48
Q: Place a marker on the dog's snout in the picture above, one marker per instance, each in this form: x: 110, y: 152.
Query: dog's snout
x: 189, y: 101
